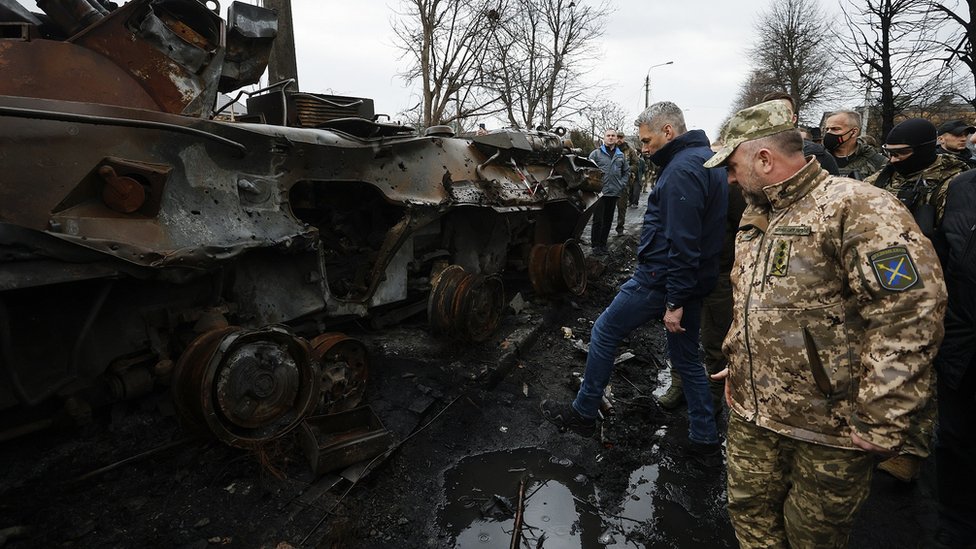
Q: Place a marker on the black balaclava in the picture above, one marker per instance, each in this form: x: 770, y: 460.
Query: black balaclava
x: 918, y: 133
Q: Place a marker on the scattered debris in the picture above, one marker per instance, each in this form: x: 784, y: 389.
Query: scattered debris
x: 624, y: 357
x: 567, y: 332
x: 517, y: 303
x: 335, y: 441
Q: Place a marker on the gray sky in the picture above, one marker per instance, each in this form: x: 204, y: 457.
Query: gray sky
x: 347, y: 48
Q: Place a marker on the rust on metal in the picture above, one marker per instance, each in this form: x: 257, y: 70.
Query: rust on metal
x: 465, y: 306
x: 246, y: 387
x: 557, y: 268
x: 344, y: 365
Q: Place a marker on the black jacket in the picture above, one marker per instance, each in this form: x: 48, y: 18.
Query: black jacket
x: 684, y: 225
x: 826, y: 159
x: 958, y: 351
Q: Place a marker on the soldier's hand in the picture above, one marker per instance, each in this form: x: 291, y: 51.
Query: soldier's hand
x: 869, y: 447
x: 672, y: 320
x: 723, y: 374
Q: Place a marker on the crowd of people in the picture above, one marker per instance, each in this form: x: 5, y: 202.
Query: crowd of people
x: 821, y: 289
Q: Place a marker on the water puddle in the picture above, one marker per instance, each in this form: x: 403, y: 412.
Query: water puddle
x: 561, y: 505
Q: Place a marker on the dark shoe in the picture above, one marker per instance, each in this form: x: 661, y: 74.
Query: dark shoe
x: 600, y: 251
x: 706, y: 456
x: 564, y: 416
x: 674, y: 396
x: 620, y: 230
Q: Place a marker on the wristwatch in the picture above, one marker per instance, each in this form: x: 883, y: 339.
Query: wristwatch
x: 672, y: 306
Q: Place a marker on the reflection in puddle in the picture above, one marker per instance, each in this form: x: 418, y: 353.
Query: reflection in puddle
x: 560, y: 509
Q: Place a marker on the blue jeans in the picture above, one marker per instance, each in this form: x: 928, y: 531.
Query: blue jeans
x: 634, y: 306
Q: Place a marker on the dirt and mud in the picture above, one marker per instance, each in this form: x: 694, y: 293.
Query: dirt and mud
x: 470, y: 444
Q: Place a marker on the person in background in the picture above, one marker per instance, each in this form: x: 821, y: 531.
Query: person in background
x: 633, y: 161
x: 955, y: 443
x: 855, y: 158
x: 616, y: 174
x: 809, y: 147
x: 953, y: 136
x: 838, y: 308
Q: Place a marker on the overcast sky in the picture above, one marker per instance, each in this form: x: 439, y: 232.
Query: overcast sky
x: 346, y: 47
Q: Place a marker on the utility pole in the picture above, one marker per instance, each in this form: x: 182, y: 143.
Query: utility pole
x: 283, y: 64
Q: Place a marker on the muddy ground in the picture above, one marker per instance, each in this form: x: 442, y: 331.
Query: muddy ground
x: 469, y: 438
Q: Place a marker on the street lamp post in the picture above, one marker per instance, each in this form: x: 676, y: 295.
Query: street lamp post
x: 647, y: 82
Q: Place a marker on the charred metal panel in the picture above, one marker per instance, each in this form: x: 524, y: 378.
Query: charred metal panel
x: 251, y: 31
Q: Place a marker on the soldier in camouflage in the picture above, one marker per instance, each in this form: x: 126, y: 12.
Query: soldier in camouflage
x: 919, y: 177
x: 838, y: 312
x: 855, y: 158
x: 626, y: 196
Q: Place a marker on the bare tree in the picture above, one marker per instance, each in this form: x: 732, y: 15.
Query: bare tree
x: 540, y: 51
x: 889, y: 45
x: 751, y: 92
x: 793, y: 52
x: 445, y: 41
x: 603, y: 115
x: 958, y: 45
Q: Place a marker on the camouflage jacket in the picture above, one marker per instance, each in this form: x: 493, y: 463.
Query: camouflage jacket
x: 838, y: 313
x: 633, y: 159
x: 933, y: 189
x: 864, y: 161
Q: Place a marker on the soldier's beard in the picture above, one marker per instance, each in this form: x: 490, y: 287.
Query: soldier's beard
x: 752, y: 189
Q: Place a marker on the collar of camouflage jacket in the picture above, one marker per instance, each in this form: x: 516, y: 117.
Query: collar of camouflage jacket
x: 783, y: 195
x: 944, y: 167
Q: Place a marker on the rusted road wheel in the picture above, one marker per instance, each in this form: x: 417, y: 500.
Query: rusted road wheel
x: 465, y: 306
x: 557, y: 268
x: 344, y: 365
x: 246, y: 387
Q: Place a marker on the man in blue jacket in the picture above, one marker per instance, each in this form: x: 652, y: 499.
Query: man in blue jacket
x: 678, y: 263
x: 616, y: 173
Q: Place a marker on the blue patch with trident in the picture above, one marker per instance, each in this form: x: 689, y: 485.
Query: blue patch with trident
x: 894, y: 268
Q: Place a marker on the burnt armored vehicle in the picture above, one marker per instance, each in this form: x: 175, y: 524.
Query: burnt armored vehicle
x: 143, y: 240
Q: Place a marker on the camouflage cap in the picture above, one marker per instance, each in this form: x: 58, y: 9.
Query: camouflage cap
x: 755, y: 122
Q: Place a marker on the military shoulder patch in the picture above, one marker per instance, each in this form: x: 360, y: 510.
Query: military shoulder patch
x: 894, y: 269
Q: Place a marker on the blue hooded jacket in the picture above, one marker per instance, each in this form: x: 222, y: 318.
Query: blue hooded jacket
x: 684, y: 225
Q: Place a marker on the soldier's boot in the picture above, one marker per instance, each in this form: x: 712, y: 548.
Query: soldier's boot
x: 675, y: 395
x: 903, y: 467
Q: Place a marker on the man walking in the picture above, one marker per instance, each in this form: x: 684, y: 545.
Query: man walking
x: 616, y: 172
x: 677, y: 265
x: 838, y: 313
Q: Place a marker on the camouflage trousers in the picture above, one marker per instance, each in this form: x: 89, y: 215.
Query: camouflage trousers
x: 785, y: 492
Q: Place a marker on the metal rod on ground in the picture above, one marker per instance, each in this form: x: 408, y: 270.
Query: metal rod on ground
x: 517, y: 531
x: 132, y: 459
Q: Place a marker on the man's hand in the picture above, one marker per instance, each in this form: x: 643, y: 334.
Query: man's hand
x: 869, y: 447
x: 723, y: 375
x: 672, y: 320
